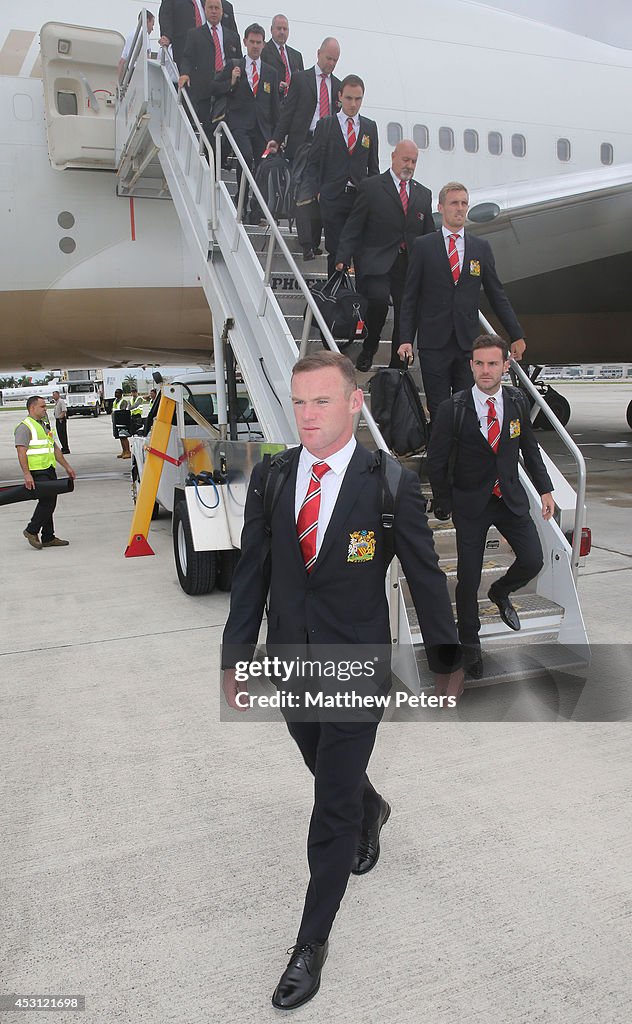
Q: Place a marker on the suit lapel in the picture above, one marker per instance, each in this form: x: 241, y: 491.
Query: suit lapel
x: 286, y: 511
x: 349, y: 494
x: 470, y: 406
x: 389, y: 188
x: 443, y: 255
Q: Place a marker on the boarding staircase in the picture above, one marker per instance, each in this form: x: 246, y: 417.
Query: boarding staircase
x: 256, y: 287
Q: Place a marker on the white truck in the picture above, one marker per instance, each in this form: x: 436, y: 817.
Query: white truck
x: 84, y: 397
x: 204, y: 478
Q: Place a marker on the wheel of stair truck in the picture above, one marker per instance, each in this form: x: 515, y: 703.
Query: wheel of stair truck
x: 557, y: 404
x: 196, y: 569
x: 155, y: 512
x: 628, y: 415
x: 226, y: 562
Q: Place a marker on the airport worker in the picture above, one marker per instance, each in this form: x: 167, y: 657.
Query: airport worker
x: 390, y: 212
x: 37, y: 454
x: 251, y: 88
x: 313, y: 94
x: 325, y: 571
x: 60, y: 412
x: 283, y: 58
x: 120, y: 404
x: 178, y: 17
x: 473, y: 471
x: 343, y: 154
x: 207, y: 50
x: 446, y: 272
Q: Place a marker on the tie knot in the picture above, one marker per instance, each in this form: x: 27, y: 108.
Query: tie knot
x: 492, y: 404
x: 281, y: 48
x: 319, y: 469
x: 402, y: 186
x: 454, y: 237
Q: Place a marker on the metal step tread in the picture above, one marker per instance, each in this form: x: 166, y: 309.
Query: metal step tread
x: 537, y: 615
x: 517, y: 662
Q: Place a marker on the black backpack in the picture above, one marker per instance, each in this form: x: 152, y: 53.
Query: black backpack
x: 300, y: 194
x: 277, y: 468
x: 273, y: 179
x: 397, y: 409
x: 343, y: 308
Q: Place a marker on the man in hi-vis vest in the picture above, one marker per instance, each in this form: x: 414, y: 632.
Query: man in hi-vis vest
x: 37, y: 455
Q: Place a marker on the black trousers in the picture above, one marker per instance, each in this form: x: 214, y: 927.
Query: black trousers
x: 42, y: 518
x: 251, y: 143
x: 377, y: 288
x: 334, y: 213
x: 309, y: 225
x: 62, y: 434
x: 337, y: 755
x: 445, y: 371
x: 471, y: 534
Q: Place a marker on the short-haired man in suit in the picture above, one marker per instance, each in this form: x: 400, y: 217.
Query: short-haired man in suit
x: 343, y: 154
x: 207, y: 50
x: 177, y: 17
x: 441, y: 297
x: 390, y: 212
x: 325, y: 594
x: 251, y: 88
x: 283, y: 58
x: 485, y: 489
x: 313, y: 94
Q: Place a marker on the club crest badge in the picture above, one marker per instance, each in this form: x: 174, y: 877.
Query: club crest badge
x: 266, y: 87
x: 366, y: 141
x: 361, y: 546
x: 514, y: 428
x: 475, y: 268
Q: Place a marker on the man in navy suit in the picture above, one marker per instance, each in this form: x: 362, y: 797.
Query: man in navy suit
x: 251, y: 89
x: 178, y: 17
x: 478, y: 485
x: 285, y: 60
x: 390, y: 212
x: 440, y: 305
x: 206, y: 52
x: 343, y: 154
x: 326, y: 591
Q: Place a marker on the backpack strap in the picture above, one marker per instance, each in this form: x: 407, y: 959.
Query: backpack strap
x: 391, y: 475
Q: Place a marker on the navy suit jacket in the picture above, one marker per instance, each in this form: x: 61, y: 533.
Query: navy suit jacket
x: 477, y: 466
x: 244, y: 110
x: 177, y: 17
x: 434, y: 308
x: 270, y: 55
x: 198, y: 60
x: 341, y: 601
x: 298, y: 110
x: 331, y: 166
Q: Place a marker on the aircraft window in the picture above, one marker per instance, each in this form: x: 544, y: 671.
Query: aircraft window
x: 421, y: 136
x: 67, y: 103
x: 446, y: 139
x: 563, y: 150
x: 470, y: 140
x: 518, y: 145
x: 394, y: 133
x: 606, y: 153
x: 66, y: 220
x: 495, y: 143
x: 67, y: 244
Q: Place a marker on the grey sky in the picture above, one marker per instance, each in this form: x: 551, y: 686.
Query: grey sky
x: 609, y: 20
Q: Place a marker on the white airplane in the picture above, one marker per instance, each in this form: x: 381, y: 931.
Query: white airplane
x: 13, y: 396
x: 533, y: 118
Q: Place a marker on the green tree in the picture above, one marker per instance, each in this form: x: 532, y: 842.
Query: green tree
x: 128, y: 383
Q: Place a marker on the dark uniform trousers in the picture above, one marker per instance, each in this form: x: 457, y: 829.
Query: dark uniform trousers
x: 42, y: 518
x: 337, y: 755
x: 251, y: 144
x: 471, y: 533
x: 62, y: 433
x: 334, y: 213
x: 377, y: 289
x: 445, y: 371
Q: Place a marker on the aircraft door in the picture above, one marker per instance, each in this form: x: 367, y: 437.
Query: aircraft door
x: 79, y: 70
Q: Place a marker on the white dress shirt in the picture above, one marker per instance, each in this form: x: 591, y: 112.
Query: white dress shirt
x: 330, y: 484
x: 460, y: 243
x: 342, y: 120
x: 249, y: 64
x: 482, y: 409
x: 316, y: 117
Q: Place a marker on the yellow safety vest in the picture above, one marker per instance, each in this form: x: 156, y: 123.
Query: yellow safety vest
x: 40, y: 453
x: 137, y: 408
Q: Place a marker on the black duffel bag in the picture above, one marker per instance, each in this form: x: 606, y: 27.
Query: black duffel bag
x: 342, y: 307
x: 396, y: 407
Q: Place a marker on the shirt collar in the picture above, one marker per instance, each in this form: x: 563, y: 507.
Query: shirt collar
x: 482, y: 397
x: 337, y: 462
x: 343, y: 118
x: 397, y: 181
x: 446, y: 232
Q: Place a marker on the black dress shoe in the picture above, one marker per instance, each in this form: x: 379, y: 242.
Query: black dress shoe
x: 300, y: 980
x: 475, y: 669
x: 317, y: 251
x: 508, y: 613
x: 363, y: 362
x: 308, y: 255
x: 368, y: 852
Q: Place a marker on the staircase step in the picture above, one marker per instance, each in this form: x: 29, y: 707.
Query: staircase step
x: 535, y: 657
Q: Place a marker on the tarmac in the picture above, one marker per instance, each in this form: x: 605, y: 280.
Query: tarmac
x: 153, y: 855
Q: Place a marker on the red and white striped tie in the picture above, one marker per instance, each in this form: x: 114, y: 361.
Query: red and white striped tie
x: 307, y: 521
x: 288, y: 73
x: 323, y: 101
x: 403, y: 195
x: 219, y: 58
x: 351, y: 135
x: 255, y: 79
x: 198, y: 16
x: 453, y: 257
x: 493, y: 436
